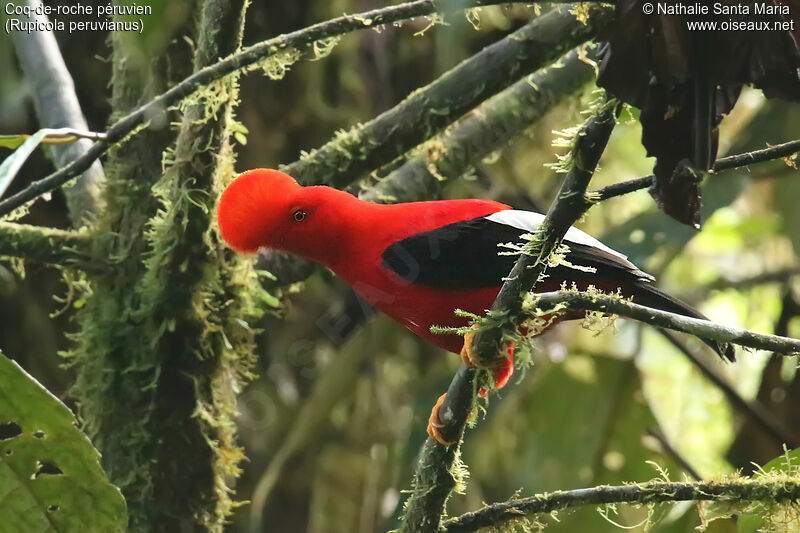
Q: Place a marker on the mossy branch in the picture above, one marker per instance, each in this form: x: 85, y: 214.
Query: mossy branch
x: 47, y: 245
x: 701, y: 328
x: 428, y: 110
x: 485, y: 129
x: 433, y: 478
x: 742, y: 491
x: 778, y: 151
x: 299, y: 39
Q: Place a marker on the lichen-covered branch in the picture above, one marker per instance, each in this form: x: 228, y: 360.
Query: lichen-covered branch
x: 777, y: 151
x: 428, y: 110
x: 299, y: 39
x: 47, y: 245
x: 485, y: 129
x: 113, y: 358
x: 204, y: 291
x: 737, y: 491
x: 568, y: 299
x: 434, y: 477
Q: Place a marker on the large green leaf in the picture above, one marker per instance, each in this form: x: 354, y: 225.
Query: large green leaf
x: 50, y: 475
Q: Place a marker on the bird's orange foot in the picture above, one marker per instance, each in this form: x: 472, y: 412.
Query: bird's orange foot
x: 466, y: 352
x: 501, y: 372
x: 435, y: 424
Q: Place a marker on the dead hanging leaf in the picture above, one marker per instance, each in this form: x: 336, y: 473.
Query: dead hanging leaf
x: 685, y: 80
x: 679, y: 195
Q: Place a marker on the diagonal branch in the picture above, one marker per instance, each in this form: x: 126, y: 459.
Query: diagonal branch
x: 569, y: 207
x: 567, y: 299
x: 299, y: 39
x: 736, y: 491
x: 428, y: 110
x: 485, y: 129
x: 434, y: 479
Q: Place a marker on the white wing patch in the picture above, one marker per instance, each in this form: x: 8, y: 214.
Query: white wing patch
x: 530, y: 222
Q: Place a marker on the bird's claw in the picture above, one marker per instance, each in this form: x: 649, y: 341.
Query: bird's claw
x: 435, y: 424
x: 466, y: 352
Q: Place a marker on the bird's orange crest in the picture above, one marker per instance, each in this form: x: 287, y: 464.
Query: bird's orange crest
x: 250, y: 206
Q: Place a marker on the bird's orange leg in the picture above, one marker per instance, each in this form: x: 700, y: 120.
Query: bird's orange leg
x: 501, y: 373
x: 435, y: 424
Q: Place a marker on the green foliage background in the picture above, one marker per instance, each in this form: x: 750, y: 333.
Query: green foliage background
x: 333, y: 422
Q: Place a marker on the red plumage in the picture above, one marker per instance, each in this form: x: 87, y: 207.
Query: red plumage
x: 413, y: 261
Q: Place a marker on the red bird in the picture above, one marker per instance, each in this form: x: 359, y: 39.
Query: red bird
x: 419, y: 261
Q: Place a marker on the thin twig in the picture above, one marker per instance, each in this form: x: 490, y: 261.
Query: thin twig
x: 744, y: 491
x: 705, y: 329
x: 299, y: 39
x: 62, y: 136
x: 775, y: 276
x: 726, y: 163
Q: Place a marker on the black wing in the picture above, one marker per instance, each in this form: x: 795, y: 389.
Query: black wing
x: 465, y: 255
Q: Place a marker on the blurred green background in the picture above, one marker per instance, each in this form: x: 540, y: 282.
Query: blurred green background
x: 336, y: 417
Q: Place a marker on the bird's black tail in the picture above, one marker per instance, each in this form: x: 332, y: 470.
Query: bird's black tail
x: 649, y: 296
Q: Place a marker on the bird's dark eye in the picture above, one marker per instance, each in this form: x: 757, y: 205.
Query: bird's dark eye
x: 299, y: 215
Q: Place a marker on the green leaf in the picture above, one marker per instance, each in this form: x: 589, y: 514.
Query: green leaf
x: 753, y: 521
x: 785, y: 463
x: 11, y: 164
x: 13, y: 141
x: 749, y: 523
x: 50, y: 475
x: 788, y: 463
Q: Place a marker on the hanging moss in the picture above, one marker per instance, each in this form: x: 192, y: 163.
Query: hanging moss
x: 165, y: 342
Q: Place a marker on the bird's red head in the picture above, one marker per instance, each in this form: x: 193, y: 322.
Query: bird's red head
x: 265, y: 208
x: 253, y: 207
